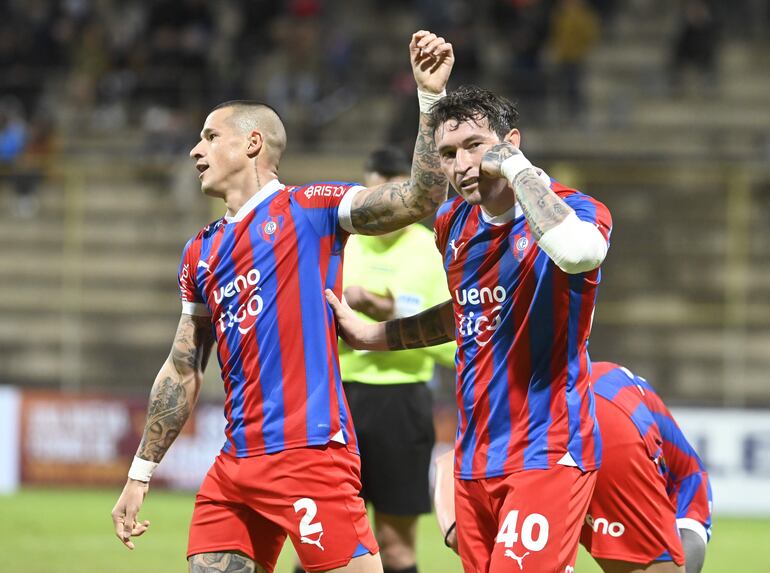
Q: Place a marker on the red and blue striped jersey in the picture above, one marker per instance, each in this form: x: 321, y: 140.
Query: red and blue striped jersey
x: 687, y: 482
x: 522, y: 327
x: 261, y: 276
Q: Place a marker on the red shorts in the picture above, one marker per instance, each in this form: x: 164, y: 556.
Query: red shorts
x: 630, y: 517
x: 311, y: 494
x: 530, y: 518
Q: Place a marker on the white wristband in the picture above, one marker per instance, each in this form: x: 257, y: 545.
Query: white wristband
x: 514, y: 165
x: 141, y: 470
x: 428, y: 100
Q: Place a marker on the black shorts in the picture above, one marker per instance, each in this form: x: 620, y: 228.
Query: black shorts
x: 394, y: 426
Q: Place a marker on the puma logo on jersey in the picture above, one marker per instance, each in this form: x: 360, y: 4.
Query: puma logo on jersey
x: 516, y: 558
x: 455, y: 247
x: 316, y: 542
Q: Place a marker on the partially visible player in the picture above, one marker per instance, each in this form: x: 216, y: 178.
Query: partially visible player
x: 396, y: 274
x: 651, y: 510
x: 253, y: 282
x: 522, y: 255
x: 387, y: 276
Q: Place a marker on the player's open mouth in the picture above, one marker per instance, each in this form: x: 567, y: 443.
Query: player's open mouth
x: 201, y: 167
x: 469, y: 184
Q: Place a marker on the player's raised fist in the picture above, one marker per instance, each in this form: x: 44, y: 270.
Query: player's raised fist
x: 494, y: 157
x: 432, y: 59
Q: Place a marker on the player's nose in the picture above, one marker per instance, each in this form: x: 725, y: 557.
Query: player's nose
x: 196, y: 152
x: 463, y: 161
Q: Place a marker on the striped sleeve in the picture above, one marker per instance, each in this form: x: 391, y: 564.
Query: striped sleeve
x: 192, y: 301
x: 687, y: 480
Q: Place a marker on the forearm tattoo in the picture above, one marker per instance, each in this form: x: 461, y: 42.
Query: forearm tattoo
x: 394, y: 205
x: 429, y: 328
x: 542, y: 208
x: 175, y: 391
x: 170, y: 406
x: 221, y: 563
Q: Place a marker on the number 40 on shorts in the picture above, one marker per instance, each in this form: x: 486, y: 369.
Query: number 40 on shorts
x: 533, y: 531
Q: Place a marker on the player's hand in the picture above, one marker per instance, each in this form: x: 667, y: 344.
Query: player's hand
x: 124, y: 514
x: 432, y: 60
x: 494, y: 157
x: 351, y: 328
x: 375, y: 306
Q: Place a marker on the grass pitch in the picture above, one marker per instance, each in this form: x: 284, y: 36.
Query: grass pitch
x: 70, y: 531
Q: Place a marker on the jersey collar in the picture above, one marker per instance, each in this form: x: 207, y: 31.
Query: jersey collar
x: 266, y: 191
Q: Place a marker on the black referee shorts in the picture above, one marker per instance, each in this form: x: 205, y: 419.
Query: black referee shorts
x: 394, y: 426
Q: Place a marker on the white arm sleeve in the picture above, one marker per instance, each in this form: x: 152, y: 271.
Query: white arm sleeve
x: 694, y: 526
x: 343, y: 211
x: 575, y: 246
x: 195, y: 308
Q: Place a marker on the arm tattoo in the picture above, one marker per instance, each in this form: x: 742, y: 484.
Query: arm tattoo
x: 394, y: 205
x: 429, y: 328
x: 192, y: 344
x: 542, y: 208
x: 167, y: 412
x: 221, y: 563
x: 500, y: 152
x: 175, y: 390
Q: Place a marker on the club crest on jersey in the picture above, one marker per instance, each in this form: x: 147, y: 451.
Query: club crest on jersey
x: 270, y: 228
x: 520, y: 244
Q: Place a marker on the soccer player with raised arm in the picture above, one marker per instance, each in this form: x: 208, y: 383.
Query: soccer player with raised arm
x: 522, y: 255
x: 253, y: 283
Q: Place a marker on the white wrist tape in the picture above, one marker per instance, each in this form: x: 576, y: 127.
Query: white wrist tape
x: 428, y: 100
x: 575, y: 246
x: 514, y: 165
x: 141, y: 470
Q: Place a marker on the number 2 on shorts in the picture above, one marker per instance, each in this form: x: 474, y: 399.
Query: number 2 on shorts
x: 306, y: 525
x: 509, y: 532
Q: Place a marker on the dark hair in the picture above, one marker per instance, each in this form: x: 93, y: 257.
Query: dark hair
x: 468, y: 103
x: 389, y: 162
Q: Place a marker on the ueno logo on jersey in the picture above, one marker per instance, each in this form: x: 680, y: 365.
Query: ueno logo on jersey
x: 245, y: 315
x: 613, y: 529
x: 325, y: 191
x: 480, y: 326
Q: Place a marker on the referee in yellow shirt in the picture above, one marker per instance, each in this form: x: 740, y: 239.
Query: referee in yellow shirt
x: 389, y: 276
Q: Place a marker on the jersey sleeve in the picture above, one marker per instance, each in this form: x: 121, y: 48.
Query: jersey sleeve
x: 593, y: 211
x: 192, y: 301
x: 328, y: 206
x: 687, y: 481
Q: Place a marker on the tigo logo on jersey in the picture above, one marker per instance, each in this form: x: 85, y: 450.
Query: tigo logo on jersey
x: 481, y: 327
x: 246, y: 313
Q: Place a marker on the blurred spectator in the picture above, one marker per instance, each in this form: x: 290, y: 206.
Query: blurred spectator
x: 695, y: 45
x: 523, y: 25
x: 19, y: 162
x: 574, y: 32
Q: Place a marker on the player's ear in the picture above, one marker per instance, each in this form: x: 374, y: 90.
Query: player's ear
x: 256, y: 142
x: 513, y: 137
